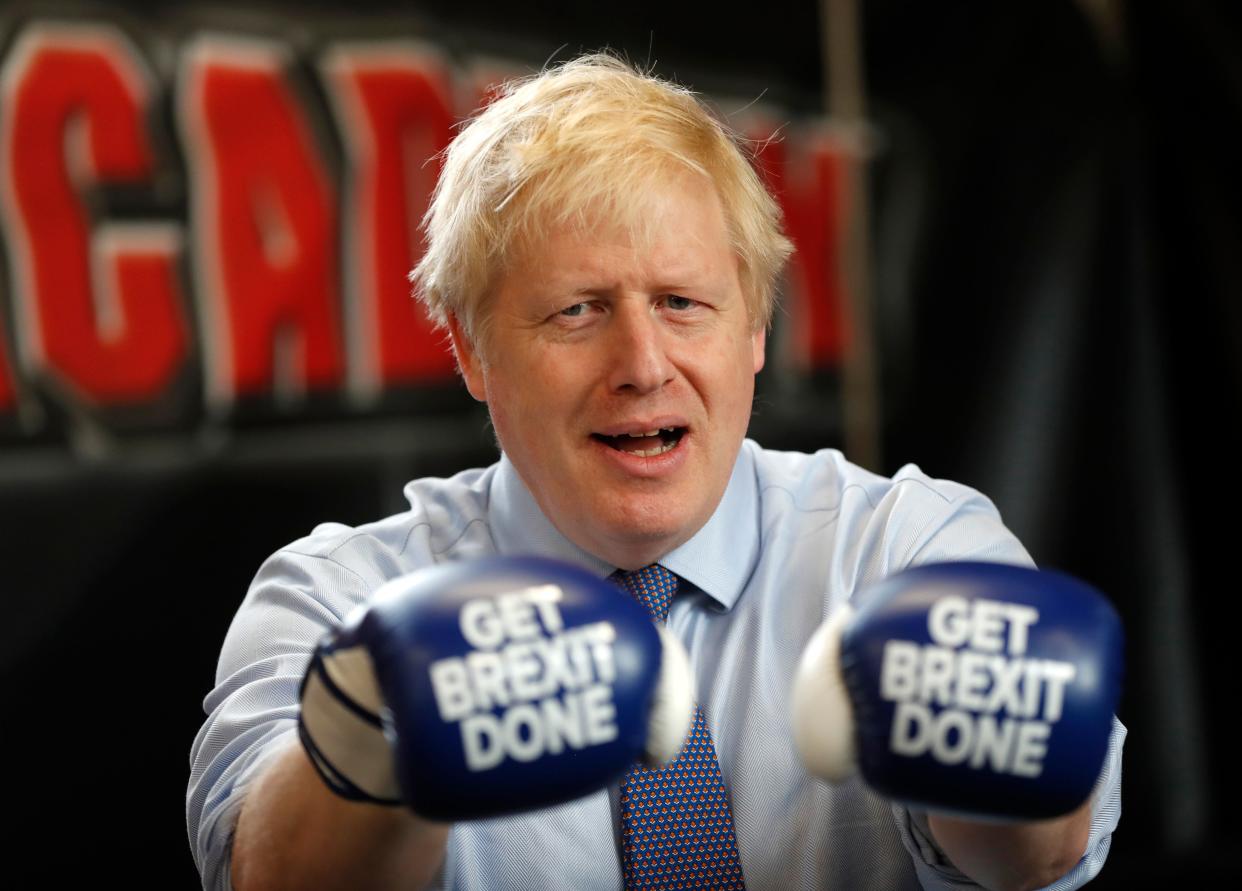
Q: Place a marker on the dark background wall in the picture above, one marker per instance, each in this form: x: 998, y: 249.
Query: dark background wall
x: 1056, y: 228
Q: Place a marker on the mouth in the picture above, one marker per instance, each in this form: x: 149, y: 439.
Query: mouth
x: 643, y: 443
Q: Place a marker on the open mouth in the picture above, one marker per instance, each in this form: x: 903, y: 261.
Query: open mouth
x: 645, y: 444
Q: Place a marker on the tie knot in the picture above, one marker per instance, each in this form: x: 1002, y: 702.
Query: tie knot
x: 653, y: 586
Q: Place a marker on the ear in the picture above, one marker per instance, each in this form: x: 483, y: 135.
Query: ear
x: 758, y: 345
x: 468, y: 360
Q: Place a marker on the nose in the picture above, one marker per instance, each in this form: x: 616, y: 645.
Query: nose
x: 640, y: 360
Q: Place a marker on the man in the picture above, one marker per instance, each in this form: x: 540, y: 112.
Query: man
x: 604, y: 260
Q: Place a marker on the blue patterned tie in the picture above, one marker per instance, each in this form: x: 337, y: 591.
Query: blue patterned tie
x: 676, y: 829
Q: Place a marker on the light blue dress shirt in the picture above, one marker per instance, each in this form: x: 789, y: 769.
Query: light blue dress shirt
x: 793, y: 539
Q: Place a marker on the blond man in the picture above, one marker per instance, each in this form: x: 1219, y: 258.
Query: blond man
x: 604, y: 260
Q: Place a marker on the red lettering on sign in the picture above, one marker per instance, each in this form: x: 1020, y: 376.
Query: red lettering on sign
x: 8, y: 395
x: 395, y: 115
x: 811, y: 187
x: 99, y: 309
x: 264, y: 224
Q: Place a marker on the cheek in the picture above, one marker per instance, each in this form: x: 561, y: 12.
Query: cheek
x: 525, y: 403
x: 735, y: 394
x: 743, y: 365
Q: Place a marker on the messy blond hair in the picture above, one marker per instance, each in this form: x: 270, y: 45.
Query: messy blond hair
x: 590, y: 133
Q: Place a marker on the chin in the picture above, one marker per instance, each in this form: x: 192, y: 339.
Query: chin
x: 643, y: 533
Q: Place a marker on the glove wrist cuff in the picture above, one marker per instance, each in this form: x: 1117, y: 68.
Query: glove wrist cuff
x: 341, y: 728
x: 823, y: 714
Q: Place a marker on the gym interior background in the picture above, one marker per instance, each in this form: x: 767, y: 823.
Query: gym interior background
x: 1020, y: 266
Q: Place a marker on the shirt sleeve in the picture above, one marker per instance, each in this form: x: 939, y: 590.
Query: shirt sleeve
x: 957, y: 523
x: 252, y: 711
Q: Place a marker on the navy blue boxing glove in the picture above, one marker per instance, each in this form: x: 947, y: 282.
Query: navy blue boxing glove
x: 480, y: 688
x: 979, y: 689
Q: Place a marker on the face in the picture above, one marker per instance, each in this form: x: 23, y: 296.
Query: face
x: 619, y: 375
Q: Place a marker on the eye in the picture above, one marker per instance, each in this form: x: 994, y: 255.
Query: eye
x: 676, y: 301
x: 574, y: 311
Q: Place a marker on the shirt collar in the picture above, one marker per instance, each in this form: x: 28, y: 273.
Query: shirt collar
x: 717, y: 560
x: 721, y: 556
x: 519, y: 527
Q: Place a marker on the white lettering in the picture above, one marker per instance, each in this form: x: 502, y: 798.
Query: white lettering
x: 973, y: 677
x: 450, y: 686
x: 909, y: 731
x: 522, y: 746
x: 599, y: 715
x: 974, y: 705
x: 1028, y: 759
x: 529, y: 731
x: 1058, y: 674
x: 480, y: 739
x: 955, y: 737
x: 947, y: 621
x: 1021, y: 618
x: 523, y: 668
x: 530, y: 687
x: 562, y: 723
x: 545, y: 598
x: 952, y: 736
x: 1005, y: 687
x: 990, y: 626
x: 994, y: 743
x: 937, y: 680
x: 480, y: 625
x: 600, y: 636
x: 899, y: 670
x: 517, y: 614
x: 487, y: 680
x: 488, y: 622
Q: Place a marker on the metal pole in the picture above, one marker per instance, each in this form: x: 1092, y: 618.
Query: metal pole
x: 845, y: 101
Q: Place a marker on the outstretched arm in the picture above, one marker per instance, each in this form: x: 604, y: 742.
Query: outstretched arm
x: 294, y: 832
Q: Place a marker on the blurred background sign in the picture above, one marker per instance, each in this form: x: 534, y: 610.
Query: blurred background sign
x: 209, y: 225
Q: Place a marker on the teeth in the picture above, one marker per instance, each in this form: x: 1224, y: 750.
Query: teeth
x: 651, y: 453
x: 650, y: 433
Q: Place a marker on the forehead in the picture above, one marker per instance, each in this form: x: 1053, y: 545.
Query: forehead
x: 675, y: 228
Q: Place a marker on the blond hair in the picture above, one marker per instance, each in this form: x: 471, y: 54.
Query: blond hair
x: 590, y: 133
